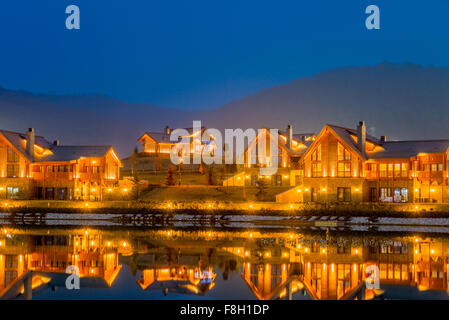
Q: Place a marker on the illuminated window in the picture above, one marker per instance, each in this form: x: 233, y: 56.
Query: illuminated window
x: 12, y: 170
x: 316, y: 155
x: 342, y: 153
x: 316, y: 170
x: 344, y: 161
x: 344, y: 169
x: 12, y: 156
x: 344, y: 194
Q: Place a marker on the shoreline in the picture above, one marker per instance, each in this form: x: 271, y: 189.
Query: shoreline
x: 214, y: 208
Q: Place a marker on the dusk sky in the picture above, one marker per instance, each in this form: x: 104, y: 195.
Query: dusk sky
x: 204, y: 53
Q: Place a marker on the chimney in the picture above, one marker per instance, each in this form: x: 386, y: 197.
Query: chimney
x: 56, y: 143
x: 361, y: 137
x: 289, y: 136
x: 30, y: 142
x: 167, y: 130
x: 383, y: 139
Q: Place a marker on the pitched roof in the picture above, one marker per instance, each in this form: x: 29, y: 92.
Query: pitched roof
x: 58, y: 153
x: 17, y: 140
x: 67, y: 153
x: 408, y: 149
x: 346, y: 135
x: 162, y: 137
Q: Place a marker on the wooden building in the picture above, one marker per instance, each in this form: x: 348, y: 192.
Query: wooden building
x: 347, y: 165
x: 33, y: 168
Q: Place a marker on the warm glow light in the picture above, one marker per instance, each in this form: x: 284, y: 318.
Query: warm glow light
x: 124, y: 243
x: 86, y: 204
x: 238, y: 178
x: 432, y: 251
x: 299, y: 190
x: 85, y: 232
x: 250, y: 205
x: 109, y: 244
x: 416, y: 190
x: 250, y: 235
x: 357, y: 189
x: 299, y: 246
x: 306, y: 189
x: 306, y: 250
x: 291, y: 206
x: 285, y: 177
x: 125, y: 190
x: 1, y: 188
x: 210, y: 206
x: 432, y: 190
x: 324, y: 189
x: 91, y: 243
x: 93, y: 189
x: 416, y: 251
x: 323, y: 251
x: 356, y: 251
x: 6, y: 204
x: 109, y: 189
x: 168, y: 205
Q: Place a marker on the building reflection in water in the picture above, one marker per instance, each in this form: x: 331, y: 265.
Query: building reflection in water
x: 326, y: 265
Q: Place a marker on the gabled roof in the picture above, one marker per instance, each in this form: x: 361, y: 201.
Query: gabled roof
x: 162, y: 137
x: 17, y: 141
x: 389, y: 149
x: 408, y: 149
x: 67, y: 153
x: 57, y: 153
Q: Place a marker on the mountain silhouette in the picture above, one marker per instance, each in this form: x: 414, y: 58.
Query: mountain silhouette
x: 404, y: 101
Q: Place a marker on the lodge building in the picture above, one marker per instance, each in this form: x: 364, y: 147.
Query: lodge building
x: 33, y: 168
x: 348, y: 165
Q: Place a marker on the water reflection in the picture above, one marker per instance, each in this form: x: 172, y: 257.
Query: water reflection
x: 190, y: 264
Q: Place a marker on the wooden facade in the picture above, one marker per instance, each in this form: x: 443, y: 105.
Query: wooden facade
x: 54, y: 172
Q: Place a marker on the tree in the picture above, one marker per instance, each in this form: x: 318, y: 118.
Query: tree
x: 134, y: 161
x: 262, y: 189
x: 170, y: 176
x: 211, y: 176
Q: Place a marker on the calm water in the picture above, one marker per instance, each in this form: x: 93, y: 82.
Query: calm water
x: 208, y: 260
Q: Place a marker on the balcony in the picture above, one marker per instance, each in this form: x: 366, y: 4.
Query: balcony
x: 430, y: 175
x: 53, y: 176
x: 88, y: 176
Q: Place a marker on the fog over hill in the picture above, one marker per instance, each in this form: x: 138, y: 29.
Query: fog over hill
x: 400, y: 101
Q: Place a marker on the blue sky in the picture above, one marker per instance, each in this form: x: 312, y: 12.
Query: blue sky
x: 204, y: 53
